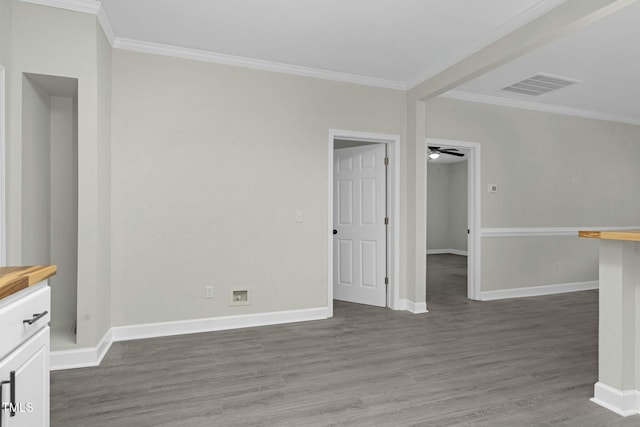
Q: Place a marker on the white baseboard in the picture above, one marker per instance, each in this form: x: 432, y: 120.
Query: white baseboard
x: 446, y: 251
x: 623, y: 403
x: 165, y: 329
x: 534, y: 291
x: 81, y: 357
x: 412, y: 307
x: 92, y: 356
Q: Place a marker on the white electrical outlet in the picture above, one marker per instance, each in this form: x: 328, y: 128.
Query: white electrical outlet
x: 208, y: 292
x: 299, y: 216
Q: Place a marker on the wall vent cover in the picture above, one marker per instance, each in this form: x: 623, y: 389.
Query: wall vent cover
x: 540, y: 84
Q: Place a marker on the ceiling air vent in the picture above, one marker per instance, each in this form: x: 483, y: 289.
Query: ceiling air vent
x: 540, y: 84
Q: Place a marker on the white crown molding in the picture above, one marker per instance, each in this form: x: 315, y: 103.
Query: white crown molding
x: 536, y: 106
x: 543, y: 231
x: 534, y: 291
x: 84, y: 6
x: 92, y: 7
x: 106, y: 26
x: 257, y: 64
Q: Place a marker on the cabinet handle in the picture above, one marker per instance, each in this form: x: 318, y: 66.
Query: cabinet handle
x: 36, y: 317
x: 12, y: 396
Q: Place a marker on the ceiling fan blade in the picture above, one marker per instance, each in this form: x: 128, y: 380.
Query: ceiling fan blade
x: 431, y: 147
x: 453, y: 153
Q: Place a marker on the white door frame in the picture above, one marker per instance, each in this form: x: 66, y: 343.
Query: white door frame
x: 3, y: 169
x: 393, y: 205
x: 474, y: 255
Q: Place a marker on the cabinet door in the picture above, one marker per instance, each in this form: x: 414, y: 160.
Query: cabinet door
x: 30, y: 362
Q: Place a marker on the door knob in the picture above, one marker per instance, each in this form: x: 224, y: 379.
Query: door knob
x: 335, y: 231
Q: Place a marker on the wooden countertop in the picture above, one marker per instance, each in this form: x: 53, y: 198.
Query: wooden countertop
x: 14, y: 279
x: 612, y: 234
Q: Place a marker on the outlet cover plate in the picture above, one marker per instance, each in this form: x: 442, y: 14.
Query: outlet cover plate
x: 239, y: 297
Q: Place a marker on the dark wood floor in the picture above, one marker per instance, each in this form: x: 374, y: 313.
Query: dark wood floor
x: 521, y: 362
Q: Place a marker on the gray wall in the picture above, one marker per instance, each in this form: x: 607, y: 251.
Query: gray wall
x: 550, y: 173
x: 438, y: 205
x: 57, y: 42
x: 50, y: 186
x: 64, y: 211
x: 459, y: 206
x: 210, y: 164
x: 447, y: 206
x: 36, y: 173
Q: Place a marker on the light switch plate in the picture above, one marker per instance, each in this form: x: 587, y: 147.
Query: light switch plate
x: 299, y: 216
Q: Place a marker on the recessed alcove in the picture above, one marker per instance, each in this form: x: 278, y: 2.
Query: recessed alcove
x: 50, y: 192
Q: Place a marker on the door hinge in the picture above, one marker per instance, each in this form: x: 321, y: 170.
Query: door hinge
x: 386, y: 221
x: 386, y: 280
x: 386, y: 161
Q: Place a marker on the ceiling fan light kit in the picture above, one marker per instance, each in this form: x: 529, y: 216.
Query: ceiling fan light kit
x: 435, y: 152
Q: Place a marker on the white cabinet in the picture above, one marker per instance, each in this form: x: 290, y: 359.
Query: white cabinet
x: 24, y: 358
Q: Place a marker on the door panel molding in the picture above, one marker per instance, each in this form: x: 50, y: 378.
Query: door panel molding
x: 393, y: 210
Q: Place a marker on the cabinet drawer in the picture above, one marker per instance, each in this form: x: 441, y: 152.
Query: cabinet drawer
x: 15, y: 330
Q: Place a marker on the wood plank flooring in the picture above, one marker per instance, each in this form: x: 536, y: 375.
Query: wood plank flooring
x: 521, y: 362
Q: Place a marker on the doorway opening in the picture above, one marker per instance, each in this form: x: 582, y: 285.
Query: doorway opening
x: 381, y: 268
x: 453, y: 212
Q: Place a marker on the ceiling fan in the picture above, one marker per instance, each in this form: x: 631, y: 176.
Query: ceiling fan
x: 434, y: 152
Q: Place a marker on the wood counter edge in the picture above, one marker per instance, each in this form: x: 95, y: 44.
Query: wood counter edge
x: 629, y: 235
x: 15, y: 279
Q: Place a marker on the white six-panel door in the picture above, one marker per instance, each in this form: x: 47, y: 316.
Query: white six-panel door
x: 359, y: 246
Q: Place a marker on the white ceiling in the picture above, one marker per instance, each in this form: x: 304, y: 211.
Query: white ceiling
x: 398, y: 42
x: 604, y: 56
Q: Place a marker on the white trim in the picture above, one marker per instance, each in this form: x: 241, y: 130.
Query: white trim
x: 446, y: 251
x: 543, y: 231
x: 257, y: 64
x: 94, y: 7
x: 82, y: 357
x: 534, y: 291
x: 393, y: 153
x: 92, y: 356
x: 536, y: 106
x: 103, y: 19
x: 623, y: 403
x: 474, y: 204
x: 192, y: 326
x: 412, y: 307
x: 330, y: 225
x: 83, y: 6
x: 3, y: 169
